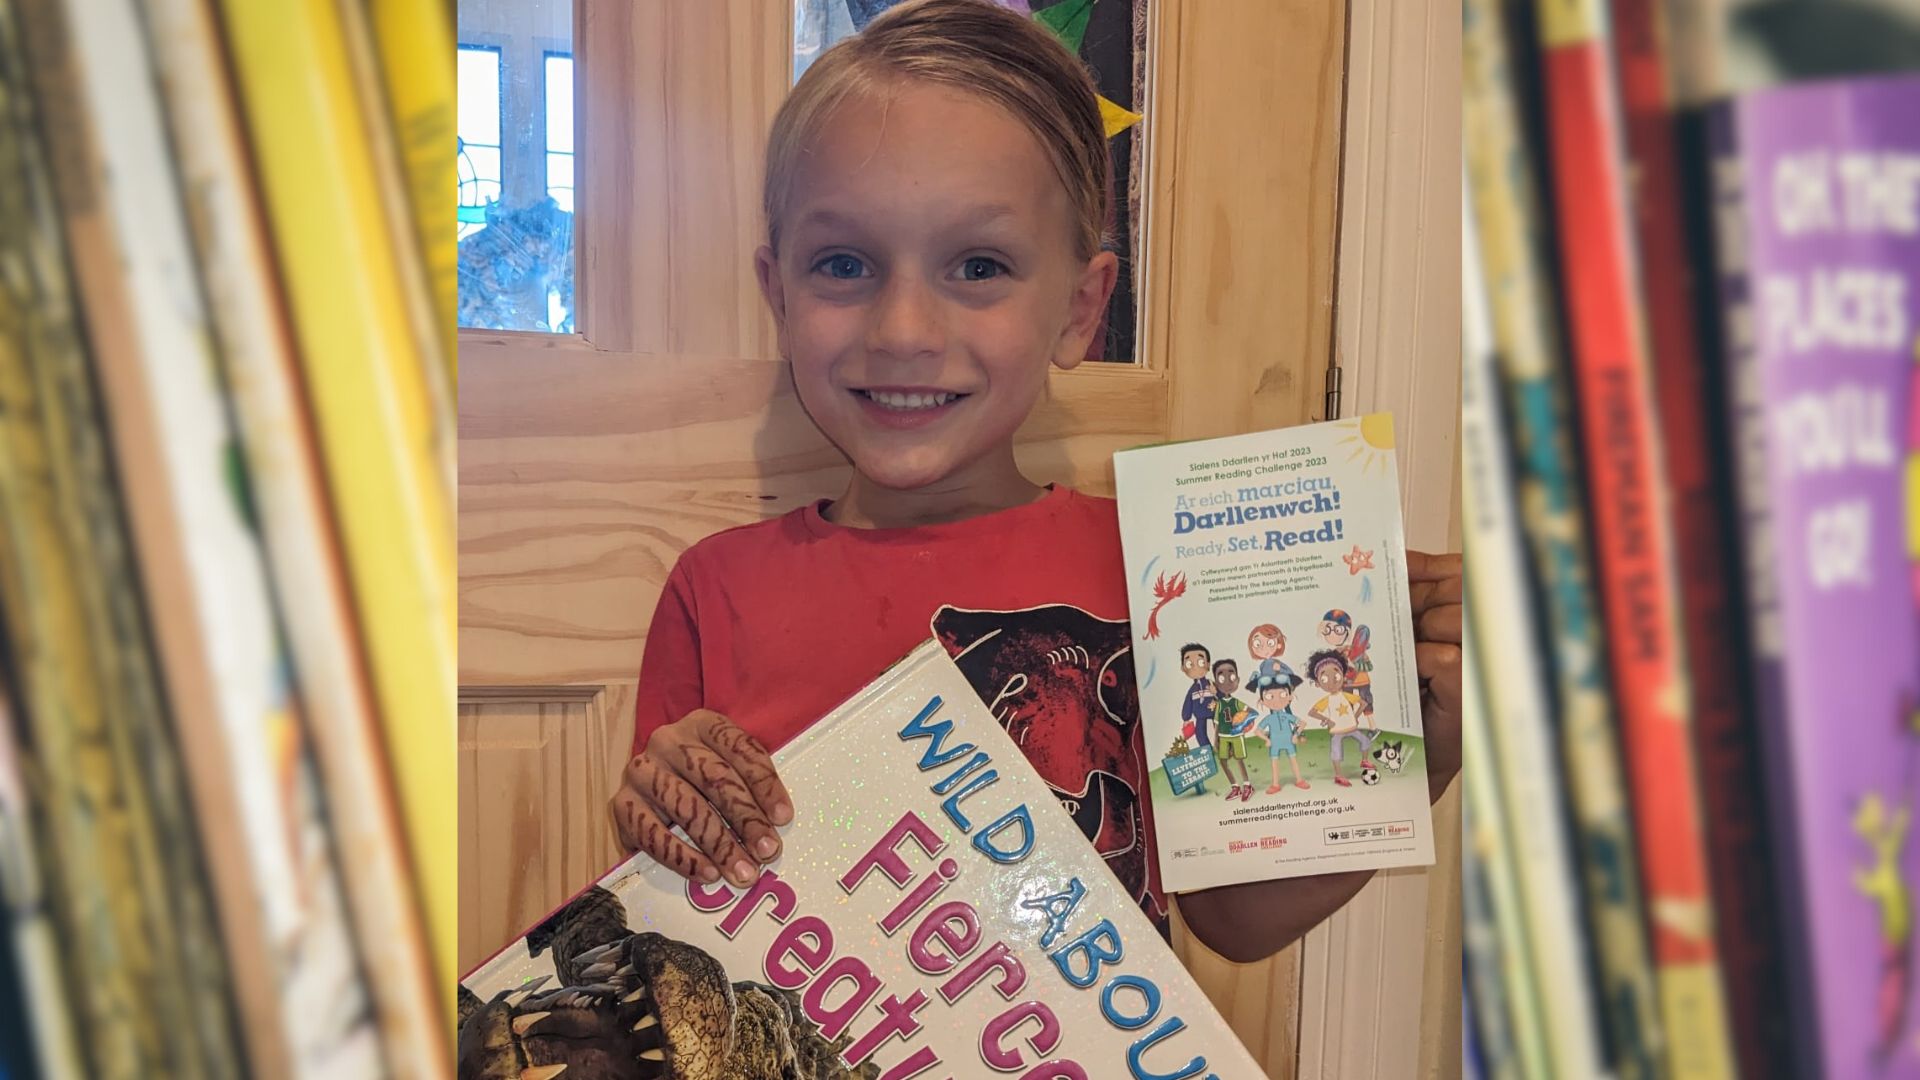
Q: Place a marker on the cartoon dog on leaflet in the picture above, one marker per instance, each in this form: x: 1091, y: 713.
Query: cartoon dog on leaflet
x: 1340, y: 711
x: 1196, y: 712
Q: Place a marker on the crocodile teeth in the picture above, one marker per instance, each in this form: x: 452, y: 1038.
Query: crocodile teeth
x: 653, y: 1055
x: 598, y: 971
x: 635, y: 996
x: 542, y: 1072
x: 518, y: 997
x: 643, y: 1023
x: 526, y: 1020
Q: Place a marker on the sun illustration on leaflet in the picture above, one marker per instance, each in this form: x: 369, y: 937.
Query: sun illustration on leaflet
x: 1370, y: 441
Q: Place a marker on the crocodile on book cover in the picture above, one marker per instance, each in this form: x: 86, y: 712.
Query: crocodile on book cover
x: 936, y: 912
x: 1274, y: 652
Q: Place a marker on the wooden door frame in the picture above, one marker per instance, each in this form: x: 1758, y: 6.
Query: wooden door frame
x: 1245, y: 105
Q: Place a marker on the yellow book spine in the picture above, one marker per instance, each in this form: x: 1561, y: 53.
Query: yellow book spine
x: 379, y: 435
x: 416, y: 44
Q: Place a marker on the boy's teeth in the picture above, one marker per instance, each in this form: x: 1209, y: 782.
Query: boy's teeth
x: 909, y: 401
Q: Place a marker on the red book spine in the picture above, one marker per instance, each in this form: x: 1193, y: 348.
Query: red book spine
x: 1723, y: 732
x: 1632, y: 535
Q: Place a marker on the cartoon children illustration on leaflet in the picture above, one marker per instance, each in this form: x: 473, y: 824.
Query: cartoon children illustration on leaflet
x: 1232, y: 719
x: 1196, y: 712
x: 1282, y: 729
x: 1338, y: 633
x: 1265, y: 643
x: 1341, y: 711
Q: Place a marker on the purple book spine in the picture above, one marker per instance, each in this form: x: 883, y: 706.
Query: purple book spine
x: 1818, y: 207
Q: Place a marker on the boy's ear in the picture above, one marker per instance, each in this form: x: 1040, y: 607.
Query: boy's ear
x: 766, y: 268
x: 1085, y: 307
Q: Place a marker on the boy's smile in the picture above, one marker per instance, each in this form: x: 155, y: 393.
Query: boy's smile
x: 926, y: 279
x: 1333, y: 634
x: 1194, y: 664
x: 1226, y: 680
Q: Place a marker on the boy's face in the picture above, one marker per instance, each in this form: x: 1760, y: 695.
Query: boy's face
x: 1226, y: 679
x: 926, y: 278
x: 1194, y: 663
x: 1334, y: 634
x: 1277, y: 697
x: 1329, y: 677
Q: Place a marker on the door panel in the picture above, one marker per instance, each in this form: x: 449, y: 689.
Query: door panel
x: 587, y: 463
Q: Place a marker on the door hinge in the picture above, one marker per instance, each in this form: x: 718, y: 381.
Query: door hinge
x: 1330, y: 406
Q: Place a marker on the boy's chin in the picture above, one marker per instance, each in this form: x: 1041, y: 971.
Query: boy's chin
x: 903, y: 472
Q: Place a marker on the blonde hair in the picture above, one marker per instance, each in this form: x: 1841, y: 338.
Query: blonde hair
x: 970, y: 45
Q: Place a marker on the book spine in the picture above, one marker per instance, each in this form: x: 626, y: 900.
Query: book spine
x: 1627, y: 501
x: 125, y: 880
x: 1510, y: 242
x: 1690, y: 421
x: 1747, y: 451
x: 1518, y: 714
x: 416, y: 44
x: 1519, y: 1037
x: 47, y: 1044
x: 380, y: 437
x: 261, y: 376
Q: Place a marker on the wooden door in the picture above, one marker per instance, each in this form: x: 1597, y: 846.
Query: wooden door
x: 589, y: 461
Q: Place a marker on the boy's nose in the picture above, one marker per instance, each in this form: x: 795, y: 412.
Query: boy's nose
x: 908, y: 321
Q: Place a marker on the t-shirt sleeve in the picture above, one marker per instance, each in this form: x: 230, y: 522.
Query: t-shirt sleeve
x: 670, y: 685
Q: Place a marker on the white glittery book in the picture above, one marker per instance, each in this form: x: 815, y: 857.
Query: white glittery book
x: 935, y: 912
x: 1273, y: 644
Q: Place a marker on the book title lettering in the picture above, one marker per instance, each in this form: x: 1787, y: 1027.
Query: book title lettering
x: 1839, y: 312
x: 943, y: 940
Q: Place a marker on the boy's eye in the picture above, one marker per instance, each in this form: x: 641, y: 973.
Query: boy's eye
x: 841, y: 267
x: 981, y: 268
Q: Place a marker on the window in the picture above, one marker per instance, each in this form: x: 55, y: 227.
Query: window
x: 559, y: 101
x: 516, y: 165
x: 479, y: 135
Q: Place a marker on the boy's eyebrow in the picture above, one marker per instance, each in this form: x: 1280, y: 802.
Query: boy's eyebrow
x: 983, y: 214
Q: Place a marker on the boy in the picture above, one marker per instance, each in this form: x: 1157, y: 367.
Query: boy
x: 1230, y: 734
x: 1196, y: 713
x: 936, y: 195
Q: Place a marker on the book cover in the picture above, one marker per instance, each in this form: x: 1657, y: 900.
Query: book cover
x: 1817, y: 209
x: 935, y: 911
x: 1689, y: 419
x: 1512, y: 242
x: 1627, y: 495
x: 1274, y: 653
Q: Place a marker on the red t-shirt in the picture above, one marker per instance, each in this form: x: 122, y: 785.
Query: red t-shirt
x: 775, y: 624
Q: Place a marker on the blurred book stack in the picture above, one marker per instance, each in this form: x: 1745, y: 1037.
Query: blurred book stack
x: 226, y: 621
x: 1691, y: 446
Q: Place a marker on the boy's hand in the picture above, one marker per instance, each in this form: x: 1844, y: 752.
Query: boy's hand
x: 718, y: 784
x: 1436, y: 588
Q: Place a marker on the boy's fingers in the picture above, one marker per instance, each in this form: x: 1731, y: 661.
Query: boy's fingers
x: 1440, y: 625
x: 1436, y: 591
x: 1424, y: 567
x: 751, y: 760
x: 642, y: 828
x: 728, y: 793
x: 680, y: 803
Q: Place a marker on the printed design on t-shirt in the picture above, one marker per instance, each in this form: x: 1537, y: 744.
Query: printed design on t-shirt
x: 1060, y: 681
